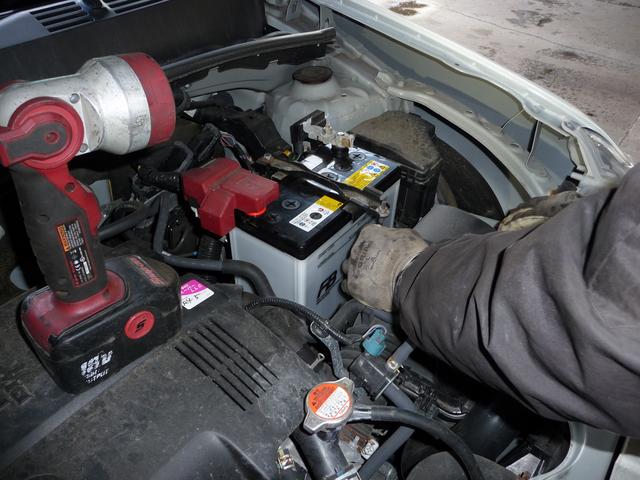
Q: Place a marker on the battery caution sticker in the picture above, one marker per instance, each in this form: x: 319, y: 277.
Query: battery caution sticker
x: 193, y: 293
x: 75, y: 250
x: 315, y: 214
x: 366, y: 174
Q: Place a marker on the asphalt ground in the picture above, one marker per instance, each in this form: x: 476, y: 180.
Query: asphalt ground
x: 585, y: 51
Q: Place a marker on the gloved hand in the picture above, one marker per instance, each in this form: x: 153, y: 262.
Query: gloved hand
x: 377, y: 258
x: 536, y: 211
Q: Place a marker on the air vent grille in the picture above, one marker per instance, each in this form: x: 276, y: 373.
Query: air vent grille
x: 61, y: 16
x: 228, y: 363
x: 122, y: 6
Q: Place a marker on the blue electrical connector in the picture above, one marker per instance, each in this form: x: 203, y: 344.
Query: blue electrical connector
x: 374, y: 344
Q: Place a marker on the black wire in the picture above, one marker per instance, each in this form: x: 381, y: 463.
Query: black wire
x: 130, y: 221
x: 205, y: 153
x: 429, y: 426
x: 306, y: 313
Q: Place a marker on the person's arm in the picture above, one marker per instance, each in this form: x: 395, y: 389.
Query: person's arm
x: 549, y: 315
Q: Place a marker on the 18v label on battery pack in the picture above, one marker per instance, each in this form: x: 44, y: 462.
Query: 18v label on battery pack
x: 75, y: 249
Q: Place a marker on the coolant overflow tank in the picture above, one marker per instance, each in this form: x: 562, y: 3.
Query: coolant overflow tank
x: 318, y: 88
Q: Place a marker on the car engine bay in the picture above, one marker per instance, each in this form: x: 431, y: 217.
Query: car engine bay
x: 233, y: 351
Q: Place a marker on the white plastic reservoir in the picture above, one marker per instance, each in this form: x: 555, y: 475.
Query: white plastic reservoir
x: 318, y: 88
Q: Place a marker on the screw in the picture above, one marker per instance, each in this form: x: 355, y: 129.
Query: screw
x: 74, y: 98
x: 84, y: 147
x: 290, y: 204
x: 273, y: 218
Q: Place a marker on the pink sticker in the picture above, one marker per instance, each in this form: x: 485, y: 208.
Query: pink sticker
x: 193, y: 293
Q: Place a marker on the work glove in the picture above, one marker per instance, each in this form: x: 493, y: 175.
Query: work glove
x: 377, y: 258
x: 536, y: 211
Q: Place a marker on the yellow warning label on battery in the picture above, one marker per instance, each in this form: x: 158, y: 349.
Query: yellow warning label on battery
x: 328, y: 203
x: 366, y: 174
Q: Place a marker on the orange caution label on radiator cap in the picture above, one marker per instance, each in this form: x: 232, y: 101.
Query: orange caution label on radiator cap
x: 329, y: 405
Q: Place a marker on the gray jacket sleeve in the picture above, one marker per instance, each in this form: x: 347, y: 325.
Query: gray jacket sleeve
x: 549, y: 315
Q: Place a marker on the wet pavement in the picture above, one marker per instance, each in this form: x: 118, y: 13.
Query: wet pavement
x: 586, y: 51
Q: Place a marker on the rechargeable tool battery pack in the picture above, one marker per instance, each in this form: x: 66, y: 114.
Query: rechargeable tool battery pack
x: 303, y: 238
x: 82, y: 352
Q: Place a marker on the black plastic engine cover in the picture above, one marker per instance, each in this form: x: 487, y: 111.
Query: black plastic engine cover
x: 215, y: 402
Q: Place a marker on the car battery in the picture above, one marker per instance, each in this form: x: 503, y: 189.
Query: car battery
x: 304, y: 236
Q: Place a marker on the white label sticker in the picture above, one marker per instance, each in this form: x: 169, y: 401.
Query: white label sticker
x: 312, y: 161
x: 336, y: 405
x: 313, y: 215
x: 193, y: 293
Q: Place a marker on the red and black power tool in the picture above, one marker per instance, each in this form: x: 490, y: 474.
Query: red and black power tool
x: 95, y: 316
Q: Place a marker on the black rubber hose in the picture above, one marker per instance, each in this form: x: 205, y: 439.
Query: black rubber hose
x: 429, y: 426
x: 204, y: 61
x: 402, y: 353
x: 306, y: 313
x: 346, y: 314
x: 210, y: 248
x: 322, y: 454
x: 167, y: 202
x: 245, y: 270
x: 130, y: 221
x: 402, y: 434
x: 395, y: 441
x: 486, y: 428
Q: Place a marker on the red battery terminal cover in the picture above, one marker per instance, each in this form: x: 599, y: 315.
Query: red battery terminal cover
x: 223, y: 186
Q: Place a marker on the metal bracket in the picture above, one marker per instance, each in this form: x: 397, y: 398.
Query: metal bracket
x: 368, y: 198
x: 334, y: 349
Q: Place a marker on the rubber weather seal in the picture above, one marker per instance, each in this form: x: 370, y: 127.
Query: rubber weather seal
x: 207, y: 60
